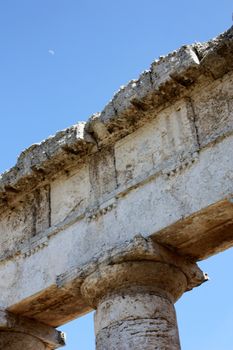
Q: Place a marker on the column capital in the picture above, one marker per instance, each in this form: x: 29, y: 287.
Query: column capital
x: 133, y: 289
x: 18, y: 329
x: 142, y: 264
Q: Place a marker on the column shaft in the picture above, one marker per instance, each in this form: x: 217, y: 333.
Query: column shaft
x: 136, y: 321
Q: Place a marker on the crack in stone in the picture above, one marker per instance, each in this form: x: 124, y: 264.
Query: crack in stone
x: 194, y: 118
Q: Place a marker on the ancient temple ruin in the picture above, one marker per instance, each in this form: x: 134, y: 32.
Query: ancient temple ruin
x: 114, y: 214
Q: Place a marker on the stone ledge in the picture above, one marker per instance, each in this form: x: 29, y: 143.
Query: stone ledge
x: 202, y: 234
x: 169, y: 78
x: 48, y: 335
x: 40, y: 162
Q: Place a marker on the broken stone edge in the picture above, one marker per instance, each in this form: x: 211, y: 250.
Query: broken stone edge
x: 169, y: 78
x: 53, y: 338
x: 137, y: 249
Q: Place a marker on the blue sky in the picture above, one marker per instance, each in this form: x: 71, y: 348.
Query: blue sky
x: 61, y: 61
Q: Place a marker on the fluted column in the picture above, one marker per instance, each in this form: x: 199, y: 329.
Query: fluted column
x: 20, y: 333
x: 134, y: 296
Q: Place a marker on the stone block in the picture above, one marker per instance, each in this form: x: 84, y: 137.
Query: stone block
x: 214, y: 110
x: 170, y: 137
x: 23, y: 221
x: 102, y: 174
x: 181, y: 66
x: 70, y: 194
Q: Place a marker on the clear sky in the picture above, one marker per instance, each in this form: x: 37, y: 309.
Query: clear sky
x: 61, y: 61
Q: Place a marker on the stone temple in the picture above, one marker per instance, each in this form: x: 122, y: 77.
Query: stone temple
x: 114, y: 214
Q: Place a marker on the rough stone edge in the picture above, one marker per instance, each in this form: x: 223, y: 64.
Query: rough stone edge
x: 48, y: 335
x: 167, y: 79
x: 137, y: 249
x: 41, y: 161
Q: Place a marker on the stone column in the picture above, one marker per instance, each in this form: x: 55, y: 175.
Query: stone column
x: 134, y: 295
x: 20, y: 333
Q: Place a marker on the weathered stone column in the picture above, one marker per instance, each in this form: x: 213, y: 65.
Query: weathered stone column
x: 134, y: 295
x: 20, y: 333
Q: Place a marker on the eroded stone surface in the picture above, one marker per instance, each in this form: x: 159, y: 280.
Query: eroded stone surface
x: 42, y: 161
x: 169, y: 138
x: 214, y: 111
x: 136, y: 321
x: 25, y: 220
x: 180, y: 68
x: 19, y: 341
x: 134, y: 299
x: 76, y: 186
x: 102, y: 175
x: 155, y: 162
x: 21, y: 333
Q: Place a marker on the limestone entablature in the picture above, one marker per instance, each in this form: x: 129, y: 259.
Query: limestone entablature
x: 168, y: 79
x: 144, y: 188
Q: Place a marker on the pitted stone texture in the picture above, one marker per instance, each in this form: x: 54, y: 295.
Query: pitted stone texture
x: 102, y: 174
x: 44, y: 160
x: 168, y: 138
x: 140, y: 262
x: 168, y: 79
x: 214, y: 110
x: 136, y: 321
x: 170, y: 180
x: 134, y: 299
x: 20, y: 341
x: 20, y: 333
x: 132, y: 304
x: 216, y: 54
x: 145, y: 334
x: 179, y: 65
x: 70, y: 194
x: 22, y: 222
x: 134, y: 91
x: 160, y: 277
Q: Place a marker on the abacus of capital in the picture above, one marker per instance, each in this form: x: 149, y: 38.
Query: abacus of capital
x: 114, y: 214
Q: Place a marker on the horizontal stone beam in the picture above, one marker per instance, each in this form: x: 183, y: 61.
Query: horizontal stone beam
x: 60, y: 303
x: 168, y: 79
x: 161, y: 168
x: 205, y: 233
x: 198, y: 236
